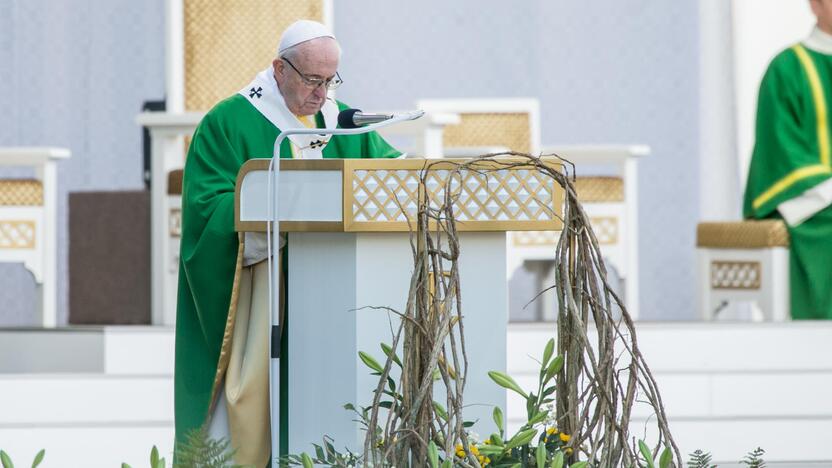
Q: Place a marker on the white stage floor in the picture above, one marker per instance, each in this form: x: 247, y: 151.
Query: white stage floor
x: 104, y: 395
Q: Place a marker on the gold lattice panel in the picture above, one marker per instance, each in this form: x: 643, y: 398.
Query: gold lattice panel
x: 227, y: 43
x: 509, y: 129
x: 17, y: 234
x: 735, y: 275
x: 505, y: 199
x: 606, y: 229
x: 535, y: 238
x: 599, y: 189
x: 21, y: 192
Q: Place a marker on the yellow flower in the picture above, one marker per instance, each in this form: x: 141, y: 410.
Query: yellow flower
x: 568, y: 451
x: 552, y: 430
x: 565, y: 437
x: 487, y: 442
x: 487, y: 461
x: 460, y: 451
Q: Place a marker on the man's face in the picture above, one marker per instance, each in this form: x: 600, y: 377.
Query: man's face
x: 317, y: 60
x: 823, y: 11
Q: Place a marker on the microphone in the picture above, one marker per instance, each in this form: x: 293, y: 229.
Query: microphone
x: 354, y: 118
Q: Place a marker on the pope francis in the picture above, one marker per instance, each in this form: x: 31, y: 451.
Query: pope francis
x: 221, y: 375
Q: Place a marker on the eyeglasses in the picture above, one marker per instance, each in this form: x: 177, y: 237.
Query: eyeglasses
x: 313, y: 82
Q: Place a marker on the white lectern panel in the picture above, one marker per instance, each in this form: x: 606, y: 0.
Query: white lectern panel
x: 332, y: 278
x: 303, y: 196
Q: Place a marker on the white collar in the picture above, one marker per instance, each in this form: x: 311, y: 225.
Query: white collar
x: 819, y: 41
x: 265, y: 96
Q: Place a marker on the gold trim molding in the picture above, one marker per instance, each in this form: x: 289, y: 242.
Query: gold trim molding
x: 749, y: 234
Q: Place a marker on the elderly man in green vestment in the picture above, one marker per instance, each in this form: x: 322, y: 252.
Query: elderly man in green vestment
x: 220, y: 384
x: 791, y: 172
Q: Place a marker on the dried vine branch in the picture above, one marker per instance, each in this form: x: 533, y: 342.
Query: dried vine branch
x: 604, y: 372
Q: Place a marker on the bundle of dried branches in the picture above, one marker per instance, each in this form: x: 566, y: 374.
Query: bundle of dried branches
x: 599, y: 383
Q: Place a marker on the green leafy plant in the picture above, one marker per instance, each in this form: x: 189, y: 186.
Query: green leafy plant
x: 700, y: 459
x: 754, y: 458
x: 155, y: 461
x: 325, y: 454
x: 552, y: 446
x: 6, y: 460
x: 538, y: 443
x: 200, y: 450
x: 663, y: 461
x: 197, y: 450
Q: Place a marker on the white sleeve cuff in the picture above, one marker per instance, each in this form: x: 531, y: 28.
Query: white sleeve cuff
x: 256, y: 247
x: 803, y: 207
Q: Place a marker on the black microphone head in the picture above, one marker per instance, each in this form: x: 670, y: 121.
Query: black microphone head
x: 345, y: 118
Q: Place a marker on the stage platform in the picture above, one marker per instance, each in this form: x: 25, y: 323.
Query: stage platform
x: 99, y: 396
x: 90, y: 396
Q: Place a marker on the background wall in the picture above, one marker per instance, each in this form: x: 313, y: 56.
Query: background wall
x: 75, y: 73
x: 761, y: 28
x: 605, y: 72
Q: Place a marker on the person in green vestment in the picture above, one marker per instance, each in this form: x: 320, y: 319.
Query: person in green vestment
x: 790, y: 176
x: 291, y: 93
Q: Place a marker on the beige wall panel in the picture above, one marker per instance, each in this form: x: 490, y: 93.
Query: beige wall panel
x: 228, y: 42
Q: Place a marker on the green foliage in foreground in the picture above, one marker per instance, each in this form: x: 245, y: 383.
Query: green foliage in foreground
x: 6, y: 461
x: 197, y: 451
x: 753, y: 459
x: 538, y: 443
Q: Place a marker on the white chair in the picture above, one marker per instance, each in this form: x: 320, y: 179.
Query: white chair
x: 611, y: 201
x: 421, y: 137
x: 28, y: 211
x: 494, y: 125
x: 167, y: 159
x: 743, y: 261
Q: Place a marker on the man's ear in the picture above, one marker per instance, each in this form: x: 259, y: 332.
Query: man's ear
x: 815, y: 4
x: 278, y: 66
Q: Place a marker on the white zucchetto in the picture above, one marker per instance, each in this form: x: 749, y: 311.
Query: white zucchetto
x: 302, y: 31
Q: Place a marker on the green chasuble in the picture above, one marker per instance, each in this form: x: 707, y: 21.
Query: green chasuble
x: 230, y: 134
x: 792, y: 155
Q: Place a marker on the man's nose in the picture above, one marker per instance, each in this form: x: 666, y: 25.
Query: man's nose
x: 320, y: 92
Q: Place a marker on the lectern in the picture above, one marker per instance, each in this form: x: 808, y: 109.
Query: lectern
x: 349, y: 248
